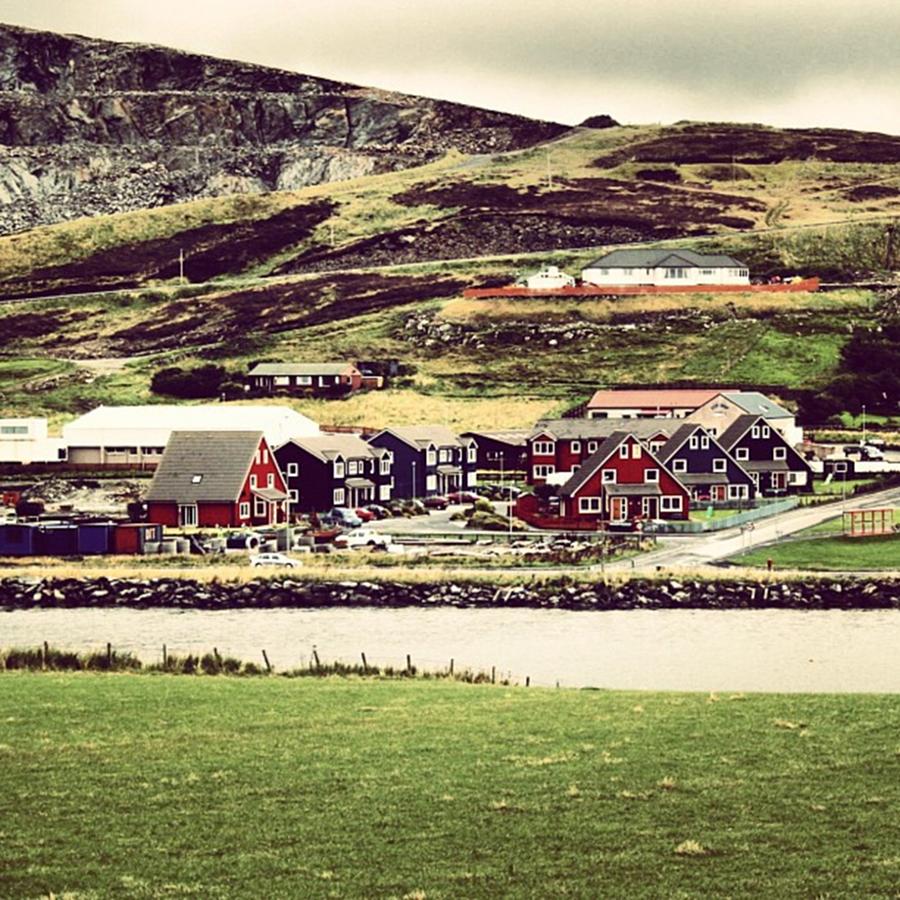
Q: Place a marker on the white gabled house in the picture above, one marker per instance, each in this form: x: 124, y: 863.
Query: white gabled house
x: 675, y: 268
x: 548, y: 278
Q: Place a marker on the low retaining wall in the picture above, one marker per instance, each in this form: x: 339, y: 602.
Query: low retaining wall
x: 813, y: 593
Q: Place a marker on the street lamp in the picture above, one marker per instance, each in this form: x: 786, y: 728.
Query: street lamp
x: 864, y: 422
x: 413, y: 481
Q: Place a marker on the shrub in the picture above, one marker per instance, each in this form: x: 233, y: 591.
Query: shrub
x: 190, y: 384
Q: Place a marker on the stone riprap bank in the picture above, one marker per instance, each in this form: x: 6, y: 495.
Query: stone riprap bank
x: 818, y: 593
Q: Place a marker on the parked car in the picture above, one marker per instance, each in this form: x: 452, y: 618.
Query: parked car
x: 437, y: 502
x: 341, y: 515
x: 273, y: 559
x: 365, y: 514
x: 380, y: 512
x: 865, y: 452
x: 462, y: 497
x: 364, y: 537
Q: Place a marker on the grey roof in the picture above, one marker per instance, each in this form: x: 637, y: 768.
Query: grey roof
x: 328, y: 446
x: 633, y: 490
x: 675, y: 442
x: 301, y: 368
x: 602, y: 428
x: 756, y: 404
x: 269, y: 493
x: 449, y: 470
x: 221, y: 459
x: 736, y: 430
x: 422, y: 435
x: 670, y: 258
x: 765, y: 465
x: 703, y: 477
x: 511, y: 437
x: 592, y: 463
x: 359, y: 483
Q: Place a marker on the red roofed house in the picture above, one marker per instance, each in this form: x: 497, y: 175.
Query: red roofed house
x: 647, y: 404
x: 217, y: 478
x: 623, y: 483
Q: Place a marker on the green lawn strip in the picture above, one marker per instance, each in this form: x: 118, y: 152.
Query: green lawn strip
x: 161, y: 786
x: 833, y: 553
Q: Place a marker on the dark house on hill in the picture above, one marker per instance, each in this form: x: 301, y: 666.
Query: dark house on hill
x: 428, y: 459
x: 317, y: 379
x: 335, y: 470
x: 623, y: 483
x: 705, y: 467
x: 774, y: 465
x: 500, y: 451
x: 217, y: 478
x: 561, y: 445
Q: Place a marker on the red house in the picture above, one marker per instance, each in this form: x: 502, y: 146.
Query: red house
x: 623, y: 483
x: 560, y: 446
x: 224, y: 479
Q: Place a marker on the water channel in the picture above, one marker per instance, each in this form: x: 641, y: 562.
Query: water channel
x: 692, y: 650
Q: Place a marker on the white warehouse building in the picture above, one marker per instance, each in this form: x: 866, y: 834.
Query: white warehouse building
x: 673, y: 268
x: 137, y: 435
x: 26, y: 441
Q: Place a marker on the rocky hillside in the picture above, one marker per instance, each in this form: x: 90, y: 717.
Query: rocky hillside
x: 90, y: 126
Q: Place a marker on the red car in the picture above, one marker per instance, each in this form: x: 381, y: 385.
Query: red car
x: 437, y: 502
x: 365, y: 514
x: 462, y: 497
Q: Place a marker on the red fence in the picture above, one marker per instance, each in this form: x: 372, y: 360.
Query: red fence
x: 529, y: 511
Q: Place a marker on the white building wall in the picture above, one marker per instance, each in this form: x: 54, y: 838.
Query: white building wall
x: 549, y: 278
x: 663, y: 277
x: 25, y: 441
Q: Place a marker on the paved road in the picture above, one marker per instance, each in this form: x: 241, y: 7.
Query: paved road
x: 698, y: 550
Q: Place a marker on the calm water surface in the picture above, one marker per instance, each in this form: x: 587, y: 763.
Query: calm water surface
x: 766, y: 650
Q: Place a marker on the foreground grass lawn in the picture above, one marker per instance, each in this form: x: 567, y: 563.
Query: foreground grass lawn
x: 152, y: 786
x: 837, y: 553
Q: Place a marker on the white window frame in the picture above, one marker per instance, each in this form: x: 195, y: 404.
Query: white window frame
x: 720, y: 464
x: 253, y: 482
x: 623, y: 451
x: 754, y: 431
x: 575, y: 446
x: 694, y: 442
x: 270, y: 479
x: 294, y: 495
x: 779, y: 453
x: 543, y: 448
x: 337, y: 497
x: 472, y: 453
x: 385, y: 467
x: 670, y: 503
x: 679, y: 465
x: 542, y: 470
x: 430, y: 457
x: 339, y: 468
x: 636, y: 450
x: 244, y: 509
x: 742, y: 454
x: 590, y: 505
x: 259, y: 507
x: 704, y: 442
x: 766, y: 431
x: 293, y: 469
x: 608, y: 476
x: 431, y: 482
x: 592, y: 446
x: 651, y: 476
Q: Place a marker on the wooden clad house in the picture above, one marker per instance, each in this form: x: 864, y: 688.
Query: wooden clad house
x: 500, y: 451
x: 622, y: 483
x: 774, y: 465
x: 705, y: 467
x: 227, y: 479
x: 429, y: 459
x: 559, y: 446
x: 335, y: 470
x: 305, y: 378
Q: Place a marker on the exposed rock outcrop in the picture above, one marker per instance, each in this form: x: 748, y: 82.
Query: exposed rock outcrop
x: 90, y: 126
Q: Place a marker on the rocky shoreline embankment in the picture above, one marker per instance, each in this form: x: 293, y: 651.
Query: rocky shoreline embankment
x: 289, y: 592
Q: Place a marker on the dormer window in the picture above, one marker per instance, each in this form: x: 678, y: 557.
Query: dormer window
x: 430, y: 457
x: 339, y: 468
x: 473, y: 453
x: 196, y: 479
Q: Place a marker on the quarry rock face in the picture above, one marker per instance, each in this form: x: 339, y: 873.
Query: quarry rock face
x: 90, y: 126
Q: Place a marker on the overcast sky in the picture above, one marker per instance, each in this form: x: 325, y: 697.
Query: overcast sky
x: 782, y: 62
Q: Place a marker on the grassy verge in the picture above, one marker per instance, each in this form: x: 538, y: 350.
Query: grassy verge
x: 837, y: 553
x: 358, y: 788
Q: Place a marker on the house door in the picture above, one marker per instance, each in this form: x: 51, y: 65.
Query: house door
x: 650, y: 507
x: 778, y: 481
x: 187, y: 515
x: 618, y: 509
x: 718, y: 492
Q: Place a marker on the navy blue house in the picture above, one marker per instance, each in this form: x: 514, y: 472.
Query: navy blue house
x: 428, y: 459
x: 705, y: 467
x: 334, y: 470
x: 774, y: 465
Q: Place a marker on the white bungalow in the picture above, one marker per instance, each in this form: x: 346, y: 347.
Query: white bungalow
x: 548, y: 278
x: 664, y: 267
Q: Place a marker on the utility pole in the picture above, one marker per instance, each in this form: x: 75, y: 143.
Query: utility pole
x: 864, y: 422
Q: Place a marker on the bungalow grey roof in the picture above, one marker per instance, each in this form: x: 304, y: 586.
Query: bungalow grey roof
x: 738, y: 428
x: 300, y: 368
x: 756, y: 404
x: 328, y: 446
x: 589, y: 466
x: 422, y: 435
x: 204, y: 466
x: 670, y: 258
x: 601, y: 428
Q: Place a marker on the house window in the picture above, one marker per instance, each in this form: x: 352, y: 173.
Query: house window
x: 473, y: 453
x: 338, y: 497
x: 543, y: 471
x: 755, y: 431
x: 295, y: 496
x: 636, y: 450
x: 244, y: 510
x: 592, y: 446
x: 385, y: 466
x: 679, y: 465
x: 196, y: 479
x: 265, y: 456
x: 430, y: 457
x: 293, y: 469
x: 840, y: 467
x: 704, y: 442
x: 623, y: 451
x: 676, y: 273
x: 543, y: 448
x: 281, y: 380
x: 737, y: 491
x: 670, y: 504
x: 589, y: 505
x: 352, y: 467
x: 338, y: 468
x: 742, y: 453
x: 445, y: 455
x: 259, y: 506
x: 575, y: 446
x: 253, y: 481
x: 719, y: 465
x: 779, y: 453
x: 766, y: 431
x: 304, y: 379
x: 651, y: 476
x: 431, y: 483
x: 270, y: 479
x: 608, y: 476
x: 694, y: 442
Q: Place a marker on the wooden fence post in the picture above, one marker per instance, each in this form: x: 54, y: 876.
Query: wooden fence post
x: 365, y: 664
x: 316, y: 658
x: 527, y: 681
x: 108, y: 655
x: 45, y: 653
x: 493, y: 674
x: 451, y: 665
x: 268, y: 664
x: 408, y: 664
x: 165, y: 657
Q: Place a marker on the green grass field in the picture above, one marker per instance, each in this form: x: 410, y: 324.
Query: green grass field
x: 162, y: 786
x: 837, y: 553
